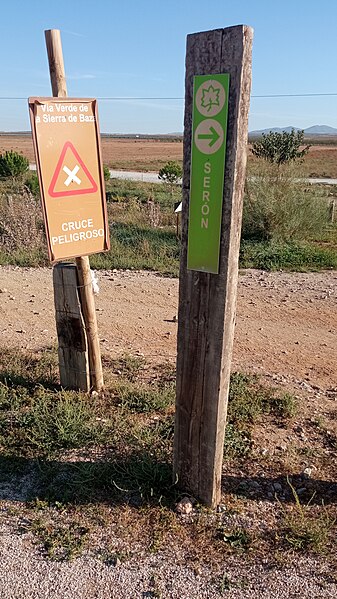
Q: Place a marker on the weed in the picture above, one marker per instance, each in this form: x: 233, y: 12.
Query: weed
x: 237, y: 442
x: 238, y: 538
x: 145, y: 476
x: 248, y: 400
x: 61, y: 543
x: 46, y: 423
x: 284, y: 406
x: 111, y: 558
x: 162, y: 523
x: 146, y: 398
x: 128, y: 366
x: 226, y: 584
x: 298, y: 257
x: 28, y: 369
x: 303, y: 528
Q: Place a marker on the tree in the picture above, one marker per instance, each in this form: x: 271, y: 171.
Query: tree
x: 171, y: 173
x: 280, y: 148
x: 13, y: 165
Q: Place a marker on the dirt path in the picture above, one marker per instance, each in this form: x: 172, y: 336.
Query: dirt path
x: 286, y: 322
x: 286, y: 330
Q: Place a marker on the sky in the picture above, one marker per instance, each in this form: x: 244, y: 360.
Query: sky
x: 136, y: 49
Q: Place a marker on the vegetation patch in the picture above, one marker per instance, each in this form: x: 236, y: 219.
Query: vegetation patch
x: 105, y: 464
x: 305, y: 527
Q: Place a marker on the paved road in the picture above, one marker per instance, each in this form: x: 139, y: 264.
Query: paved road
x: 151, y: 177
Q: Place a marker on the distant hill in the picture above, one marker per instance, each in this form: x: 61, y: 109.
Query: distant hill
x: 308, y: 132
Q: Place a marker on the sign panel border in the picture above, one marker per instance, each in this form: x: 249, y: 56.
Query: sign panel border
x: 208, y: 158
x: 32, y: 102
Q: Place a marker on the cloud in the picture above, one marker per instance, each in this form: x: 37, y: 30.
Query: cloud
x: 79, y: 77
x: 73, y: 33
x: 146, y: 104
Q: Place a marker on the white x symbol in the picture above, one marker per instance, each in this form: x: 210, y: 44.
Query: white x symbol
x: 71, y: 175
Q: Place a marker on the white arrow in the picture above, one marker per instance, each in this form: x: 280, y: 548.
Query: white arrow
x: 71, y: 175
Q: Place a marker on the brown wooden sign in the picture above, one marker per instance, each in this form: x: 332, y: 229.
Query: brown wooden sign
x: 68, y: 159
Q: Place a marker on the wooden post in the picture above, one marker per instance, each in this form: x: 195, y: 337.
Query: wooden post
x: 59, y: 89
x: 72, y: 339
x: 207, y: 302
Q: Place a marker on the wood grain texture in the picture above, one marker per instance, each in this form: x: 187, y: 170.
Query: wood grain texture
x: 56, y: 63
x: 90, y: 320
x: 207, y: 302
x: 72, y: 341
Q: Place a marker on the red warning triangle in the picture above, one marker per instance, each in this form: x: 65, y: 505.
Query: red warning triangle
x: 70, y: 181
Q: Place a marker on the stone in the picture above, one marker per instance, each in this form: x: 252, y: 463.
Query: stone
x: 184, y: 506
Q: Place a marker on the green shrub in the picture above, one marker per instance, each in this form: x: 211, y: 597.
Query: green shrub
x: 106, y: 173
x: 278, y: 206
x: 171, y: 172
x: 280, y: 148
x: 13, y: 164
x: 32, y: 182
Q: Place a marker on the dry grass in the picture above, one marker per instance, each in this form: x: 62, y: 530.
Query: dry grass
x: 107, y: 485
x: 149, y: 154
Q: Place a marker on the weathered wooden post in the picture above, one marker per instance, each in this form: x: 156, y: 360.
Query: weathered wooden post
x: 59, y: 89
x: 213, y: 186
x: 68, y: 158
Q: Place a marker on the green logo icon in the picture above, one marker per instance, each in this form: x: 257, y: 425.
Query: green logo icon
x: 210, y: 97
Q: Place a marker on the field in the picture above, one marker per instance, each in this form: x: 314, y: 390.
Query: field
x: 88, y: 506
x: 151, y: 155
x: 128, y: 154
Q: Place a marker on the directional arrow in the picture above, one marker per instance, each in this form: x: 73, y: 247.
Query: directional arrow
x: 213, y: 136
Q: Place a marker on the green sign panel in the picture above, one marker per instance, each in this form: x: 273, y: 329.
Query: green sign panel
x: 209, y: 126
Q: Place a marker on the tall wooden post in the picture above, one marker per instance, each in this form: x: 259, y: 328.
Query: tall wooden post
x: 59, y: 89
x: 207, y: 302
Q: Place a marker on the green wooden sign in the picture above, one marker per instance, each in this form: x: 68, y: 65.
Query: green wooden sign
x: 209, y: 126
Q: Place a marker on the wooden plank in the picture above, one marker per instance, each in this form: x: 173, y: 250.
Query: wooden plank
x: 207, y: 302
x: 59, y: 89
x: 72, y: 341
x: 90, y: 320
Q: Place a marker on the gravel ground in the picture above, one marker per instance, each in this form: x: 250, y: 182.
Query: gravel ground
x: 25, y: 574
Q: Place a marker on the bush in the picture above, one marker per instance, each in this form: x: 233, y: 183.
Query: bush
x: 171, y: 172
x: 32, y: 182
x: 279, y: 207
x: 21, y: 222
x: 280, y: 148
x: 13, y: 164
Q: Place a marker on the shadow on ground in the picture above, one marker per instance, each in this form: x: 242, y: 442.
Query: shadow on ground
x: 137, y: 480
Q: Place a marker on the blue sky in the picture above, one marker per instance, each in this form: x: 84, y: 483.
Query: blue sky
x: 137, y: 48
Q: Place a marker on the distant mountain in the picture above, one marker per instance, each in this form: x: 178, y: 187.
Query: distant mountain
x: 308, y: 132
x: 320, y: 130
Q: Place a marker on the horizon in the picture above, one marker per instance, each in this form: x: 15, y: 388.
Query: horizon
x: 181, y: 133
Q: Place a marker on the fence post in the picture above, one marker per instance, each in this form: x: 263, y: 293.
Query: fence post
x: 72, y: 340
x: 207, y: 302
x: 59, y: 89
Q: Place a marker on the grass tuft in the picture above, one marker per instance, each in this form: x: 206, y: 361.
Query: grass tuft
x: 303, y: 528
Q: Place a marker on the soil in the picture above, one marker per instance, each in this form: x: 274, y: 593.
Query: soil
x: 286, y: 330
x: 149, y: 154
x: 286, y: 322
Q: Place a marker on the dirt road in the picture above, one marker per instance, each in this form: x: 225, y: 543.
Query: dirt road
x: 286, y: 322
